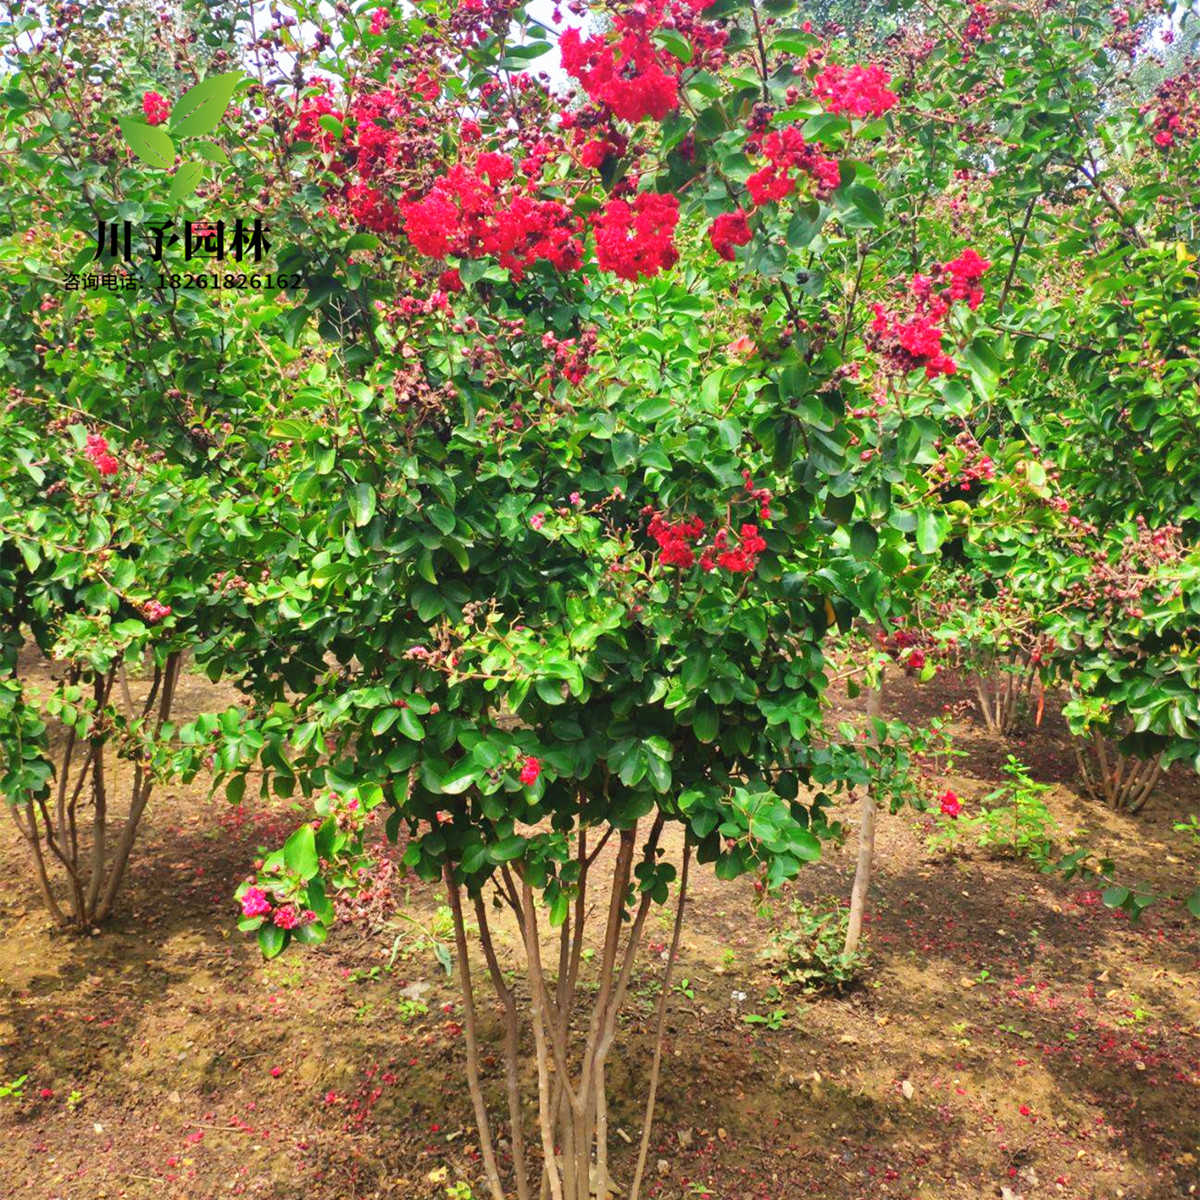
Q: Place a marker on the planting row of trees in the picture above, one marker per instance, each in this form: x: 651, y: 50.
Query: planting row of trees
x: 576, y: 441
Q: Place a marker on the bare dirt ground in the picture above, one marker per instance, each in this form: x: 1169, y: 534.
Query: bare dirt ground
x: 1011, y: 1037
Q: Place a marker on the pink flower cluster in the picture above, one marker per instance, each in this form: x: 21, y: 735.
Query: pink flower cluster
x: 787, y: 151
x: 95, y: 450
x: 950, y: 804
x: 154, y: 611
x: 255, y: 903
x: 530, y: 770
x: 155, y: 108
x: 855, y: 91
x: 639, y: 238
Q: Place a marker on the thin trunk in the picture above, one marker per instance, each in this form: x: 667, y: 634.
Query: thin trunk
x: 512, y: 1059
x: 660, y: 1027
x: 486, y: 1146
x: 866, y: 835
x: 33, y: 841
x: 143, y: 786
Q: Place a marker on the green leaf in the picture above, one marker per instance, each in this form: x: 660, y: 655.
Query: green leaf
x: 1114, y: 896
x: 300, y: 853
x: 362, y: 503
x: 508, y: 849
x: 200, y: 109
x: 1193, y: 904
x: 863, y: 539
x: 674, y: 43
x: 866, y: 203
x: 705, y: 723
x: 985, y: 367
x: 312, y: 934
x: 931, y: 529
x: 271, y: 939
x: 187, y: 179
x: 150, y: 144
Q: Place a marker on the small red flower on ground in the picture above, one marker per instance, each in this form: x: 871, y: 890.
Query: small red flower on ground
x: 951, y: 806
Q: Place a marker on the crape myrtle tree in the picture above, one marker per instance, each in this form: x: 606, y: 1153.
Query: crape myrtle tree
x: 113, y: 400
x: 1077, y: 150
x: 597, y: 439
x: 123, y: 403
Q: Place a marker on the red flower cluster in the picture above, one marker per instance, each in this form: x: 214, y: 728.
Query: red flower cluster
x: 760, y: 496
x: 740, y: 559
x: 786, y: 150
x: 950, y: 804
x: 637, y: 239
x: 965, y: 272
x: 727, y: 231
x: 530, y: 770
x: 308, y: 122
x: 855, y: 91
x: 381, y: 18
x: 155, y: 108
x: 675, y: 540
x: 471, y: 214
x: 627, y: 76
x: 917, y: 341
x: 287, y: 917
x: 630, y: 77
x: 677, y: 545
x: 95, y: 450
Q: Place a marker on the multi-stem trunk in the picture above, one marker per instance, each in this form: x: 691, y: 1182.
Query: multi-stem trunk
x: 1120, y: 781
x: 50, y: 826
x: 570, y: 1050
x: 1005, y: 690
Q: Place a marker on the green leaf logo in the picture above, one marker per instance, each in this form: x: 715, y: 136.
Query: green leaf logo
x: 187, y: 180
x: 151, y: 145
x: 200, y: 109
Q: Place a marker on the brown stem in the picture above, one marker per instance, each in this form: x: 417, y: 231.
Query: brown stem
x: 32, y: 840
x: 511, y: 1049
x: 866, y: 835
x: 660, y: 1026
x: 99, y: 827
x: 143, y: 786
x: 1139, y: 801
x: 1105, y: 774
x: 486, y: 1146
x: 533, y: 961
